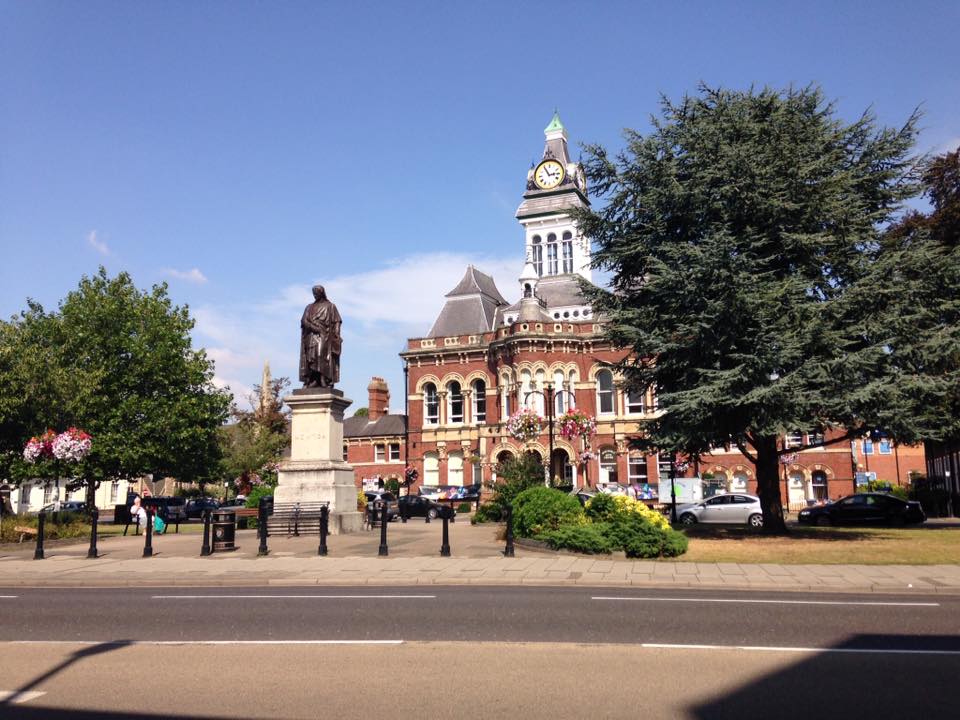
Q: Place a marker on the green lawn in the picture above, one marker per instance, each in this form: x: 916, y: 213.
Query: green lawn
x: 928, y: 545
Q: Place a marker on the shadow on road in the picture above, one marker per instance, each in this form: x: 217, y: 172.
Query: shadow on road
x: 849, y: 680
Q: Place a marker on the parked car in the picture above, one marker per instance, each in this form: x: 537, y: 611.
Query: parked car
x: 731, y: 509
x: 419, y: 506
x: 195, y: 508
x: 584, y: 496
x: 386, y: 496
x: 71, y: 506
x: 864, y: 509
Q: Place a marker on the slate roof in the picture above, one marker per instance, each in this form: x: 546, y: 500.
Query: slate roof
x: 388, y: 425
x: 471, y: 307
x: 560, y: 291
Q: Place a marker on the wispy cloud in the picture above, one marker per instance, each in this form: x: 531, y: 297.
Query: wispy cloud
x: 96, y: 243
x: 193, y: 275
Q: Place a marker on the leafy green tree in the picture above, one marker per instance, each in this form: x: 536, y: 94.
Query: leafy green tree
x: 118, y: 363
x: 742, y: 233
x: 916, y: 302
x: 362, y: 412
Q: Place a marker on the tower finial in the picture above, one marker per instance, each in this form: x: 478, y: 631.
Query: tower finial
x: 555, y: 123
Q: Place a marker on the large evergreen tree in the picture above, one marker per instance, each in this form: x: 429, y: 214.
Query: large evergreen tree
x: 118, y: 363
x: 742, y: 234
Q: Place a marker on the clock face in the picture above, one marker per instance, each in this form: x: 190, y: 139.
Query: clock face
x: 548, y: 174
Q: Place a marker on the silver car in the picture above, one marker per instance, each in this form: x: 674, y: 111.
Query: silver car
x: 731, y: 509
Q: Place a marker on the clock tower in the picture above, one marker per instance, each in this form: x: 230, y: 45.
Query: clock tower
x: 555, y: 250
x: 553, y: 243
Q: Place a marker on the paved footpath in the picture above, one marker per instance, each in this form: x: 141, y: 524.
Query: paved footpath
x: 414, y: 559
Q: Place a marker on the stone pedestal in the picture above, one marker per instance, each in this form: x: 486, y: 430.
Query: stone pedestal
x: 316, y: 470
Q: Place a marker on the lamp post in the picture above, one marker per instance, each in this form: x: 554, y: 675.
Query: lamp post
x: 548, y: 396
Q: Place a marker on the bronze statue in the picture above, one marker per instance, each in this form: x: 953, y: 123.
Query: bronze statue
x: 320, y: 342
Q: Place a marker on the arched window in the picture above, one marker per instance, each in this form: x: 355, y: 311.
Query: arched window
x: 571, y: 386
x: 536, y: 254
x: 568, y: 252
x: 431, y: 405
x: 523, y: 387
x: 431, y: 468
x: 455, y: 468
x: 527, y: 290
x: 818, y: 479
x: 605, y: 392
x: 739, y: 481
x: 479, y: 401
x: 454, y: 403
x: 551, y: 254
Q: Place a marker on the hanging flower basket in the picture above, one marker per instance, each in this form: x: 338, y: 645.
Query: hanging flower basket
x: 525, y: 425
x: 682, y: 465
x: 73, y: 445
x: 576, y: 423
x: 586, y: 456
x: 410, y: 475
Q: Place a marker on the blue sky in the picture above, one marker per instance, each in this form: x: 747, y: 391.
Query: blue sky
x: 243, y: 151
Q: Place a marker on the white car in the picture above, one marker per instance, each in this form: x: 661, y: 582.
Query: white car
x: 728, y: 509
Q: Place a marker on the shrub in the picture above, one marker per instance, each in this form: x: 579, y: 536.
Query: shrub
x: 615, y: 508
x: 640, y: 538
x: 71, y: 525
x: 591, y: 539
x: 361, y: 500
x: 541, y: 508
x: 488, y: 512
x: 253, y: 499
x: 392, y: 485
x: 464, y: 507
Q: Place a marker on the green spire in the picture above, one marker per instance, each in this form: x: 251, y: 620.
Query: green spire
x: 555, y: 123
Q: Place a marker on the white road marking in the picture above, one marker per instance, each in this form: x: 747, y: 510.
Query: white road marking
x: 770, y: 602
x: 773, y: 648
x: 16, y: 696
x: 7, y: 597
x: 289, y: 597
x: 123, y: 643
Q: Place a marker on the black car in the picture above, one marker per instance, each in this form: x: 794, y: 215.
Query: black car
x: 419, y: 506
x: 864, y: 509
x: 196, y: 507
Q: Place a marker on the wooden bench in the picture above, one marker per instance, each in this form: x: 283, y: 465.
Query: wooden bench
x: 243, y: 514
x: 24, y: 531
x: 295, y: 518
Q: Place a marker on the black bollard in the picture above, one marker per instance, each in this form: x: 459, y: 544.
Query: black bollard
x: 148, y: 543
x: 508, y: 513
x: 262, y: 527
x: 453, y: 513
x: 445, y: 544
x: 205, y: 547
x: 41, y: 520
x: 404, y: 510
x: 426, y: 515
x: 324, y: 526
x: 383, y: 552
x: 94, y: 519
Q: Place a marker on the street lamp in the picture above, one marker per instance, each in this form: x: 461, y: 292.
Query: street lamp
x: 548, y: 394
x: 673, y: 489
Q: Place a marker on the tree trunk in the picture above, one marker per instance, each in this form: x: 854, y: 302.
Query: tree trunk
x: 768, y: 485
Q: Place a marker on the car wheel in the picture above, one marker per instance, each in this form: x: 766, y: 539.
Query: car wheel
x: 824, y: 521
x: 432, y: 512
x: 755, y: 521
x: 688, y: 519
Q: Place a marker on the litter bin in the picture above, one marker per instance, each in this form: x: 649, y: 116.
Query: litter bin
x: 224, y: 530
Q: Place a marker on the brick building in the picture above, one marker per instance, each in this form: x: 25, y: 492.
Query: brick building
x: 485, y: 357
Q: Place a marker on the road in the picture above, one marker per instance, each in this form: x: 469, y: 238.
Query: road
x: 473, y: 652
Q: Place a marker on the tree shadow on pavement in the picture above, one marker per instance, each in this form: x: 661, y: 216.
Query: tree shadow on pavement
x: 852, y: 679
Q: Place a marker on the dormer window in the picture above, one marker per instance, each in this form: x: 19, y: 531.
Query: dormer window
x: 537, y: 254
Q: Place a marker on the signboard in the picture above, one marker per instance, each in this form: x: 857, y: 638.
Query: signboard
x: 688, y: 490
x: 865, y: 477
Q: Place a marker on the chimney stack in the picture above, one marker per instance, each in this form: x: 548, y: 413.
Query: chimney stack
x: 378, y: 402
